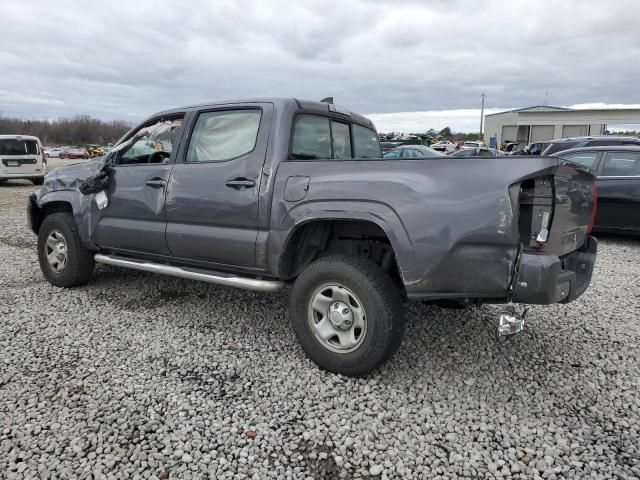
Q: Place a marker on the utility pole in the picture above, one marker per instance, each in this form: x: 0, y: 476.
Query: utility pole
x: 481, y: 115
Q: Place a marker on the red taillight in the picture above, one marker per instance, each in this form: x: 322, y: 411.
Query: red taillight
x: 593, y: 209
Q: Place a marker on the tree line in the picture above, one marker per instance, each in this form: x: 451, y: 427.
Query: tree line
x: 78, y: 130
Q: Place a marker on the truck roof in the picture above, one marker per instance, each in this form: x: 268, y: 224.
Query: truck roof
x: 281, y: 102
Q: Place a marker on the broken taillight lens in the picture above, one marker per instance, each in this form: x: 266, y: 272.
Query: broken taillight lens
x: 592, y: 221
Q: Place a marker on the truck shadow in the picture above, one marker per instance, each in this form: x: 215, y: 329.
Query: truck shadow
x: 455, y: 349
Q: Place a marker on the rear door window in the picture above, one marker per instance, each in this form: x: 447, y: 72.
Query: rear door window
x: 224, y: 135
x: 583, y: 158
x: 11, y: 146
x: 311, y: 138
x: 366, y: 143
x: 622, y: 164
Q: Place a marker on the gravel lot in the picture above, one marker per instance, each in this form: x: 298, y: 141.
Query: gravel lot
x: 142, y: 376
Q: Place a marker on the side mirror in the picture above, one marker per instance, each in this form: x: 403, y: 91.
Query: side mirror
x: 95, y: 184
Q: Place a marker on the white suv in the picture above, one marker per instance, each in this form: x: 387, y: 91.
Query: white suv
x: 21, y: 156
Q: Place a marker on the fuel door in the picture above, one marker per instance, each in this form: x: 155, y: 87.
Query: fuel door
x: 296, y: 188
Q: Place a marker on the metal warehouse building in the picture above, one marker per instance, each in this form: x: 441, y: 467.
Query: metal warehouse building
x: 539, y: 123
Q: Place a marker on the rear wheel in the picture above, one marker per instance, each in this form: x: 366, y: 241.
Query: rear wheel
x: 37, y: 181
x: 63, y: 260
x: 346, y: 314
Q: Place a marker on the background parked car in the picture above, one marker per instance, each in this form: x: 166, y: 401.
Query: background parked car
x: 444, y: 146
x: 617, y: 168
x: 74, y: 153
x: 535, y: 148
x: 473, y: 144
x: 509, y: 148
x: 413, y: 151
x: 52, y: 152
x: 474, y: 152
x: 386, y: 146
x: 21, y: 156
x: 556, y: 146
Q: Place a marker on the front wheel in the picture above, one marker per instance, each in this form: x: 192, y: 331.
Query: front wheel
x: 346, y: 314
x: 63, y: 260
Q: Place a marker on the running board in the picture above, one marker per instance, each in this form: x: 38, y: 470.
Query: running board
x: 218, y: 278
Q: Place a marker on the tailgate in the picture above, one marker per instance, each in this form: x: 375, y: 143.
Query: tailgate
x: 557, y: 211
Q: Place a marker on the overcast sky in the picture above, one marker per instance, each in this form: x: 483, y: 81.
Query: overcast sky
x: 116, y: 59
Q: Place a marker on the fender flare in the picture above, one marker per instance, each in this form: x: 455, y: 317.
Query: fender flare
x: 80, y: 208
x: 377, y: 213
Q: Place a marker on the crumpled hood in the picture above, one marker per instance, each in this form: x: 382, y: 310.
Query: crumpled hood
x: 71, y: 176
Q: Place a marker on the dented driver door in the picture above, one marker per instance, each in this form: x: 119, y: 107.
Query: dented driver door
x: 134, y: 219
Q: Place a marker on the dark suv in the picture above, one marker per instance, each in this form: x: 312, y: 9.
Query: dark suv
x: 576, y: 142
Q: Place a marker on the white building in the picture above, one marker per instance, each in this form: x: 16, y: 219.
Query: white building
x: 539, y: 123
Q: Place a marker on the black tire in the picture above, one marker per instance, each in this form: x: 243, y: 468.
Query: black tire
x: 79, y: 261
x: 37, y: 181
x: 385, y: 322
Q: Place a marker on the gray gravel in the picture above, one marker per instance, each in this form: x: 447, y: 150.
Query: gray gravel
x: 142, y: 376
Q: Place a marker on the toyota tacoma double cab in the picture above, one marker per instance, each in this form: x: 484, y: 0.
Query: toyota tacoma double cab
x: 262, y: 193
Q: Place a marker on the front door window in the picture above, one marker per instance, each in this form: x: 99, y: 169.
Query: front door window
x: 153, y: 143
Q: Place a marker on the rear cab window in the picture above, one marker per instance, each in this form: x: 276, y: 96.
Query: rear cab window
x: 366, y: 143
x: 317, y: 137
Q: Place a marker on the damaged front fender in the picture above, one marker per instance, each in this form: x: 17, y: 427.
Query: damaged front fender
x: 62, y: 187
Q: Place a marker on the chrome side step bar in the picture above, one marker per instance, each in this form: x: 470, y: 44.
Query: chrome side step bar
x: 219, y: 278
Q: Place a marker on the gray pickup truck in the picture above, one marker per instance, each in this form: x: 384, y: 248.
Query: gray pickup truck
x: 260, y: 193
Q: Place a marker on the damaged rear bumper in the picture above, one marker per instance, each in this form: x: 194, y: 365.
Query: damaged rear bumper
x: 544, y: 278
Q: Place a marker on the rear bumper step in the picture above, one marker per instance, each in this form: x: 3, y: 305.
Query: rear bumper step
x: 192, y: 273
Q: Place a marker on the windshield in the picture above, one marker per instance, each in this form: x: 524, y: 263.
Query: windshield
x: 11, y: 146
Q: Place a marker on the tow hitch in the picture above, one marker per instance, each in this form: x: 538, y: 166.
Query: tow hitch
x: 510, y: 322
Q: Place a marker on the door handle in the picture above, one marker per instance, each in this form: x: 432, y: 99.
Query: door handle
x: 155, y: 183
x: 240, y: 183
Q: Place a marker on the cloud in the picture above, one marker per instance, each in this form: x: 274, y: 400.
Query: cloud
x: 111, y: 59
